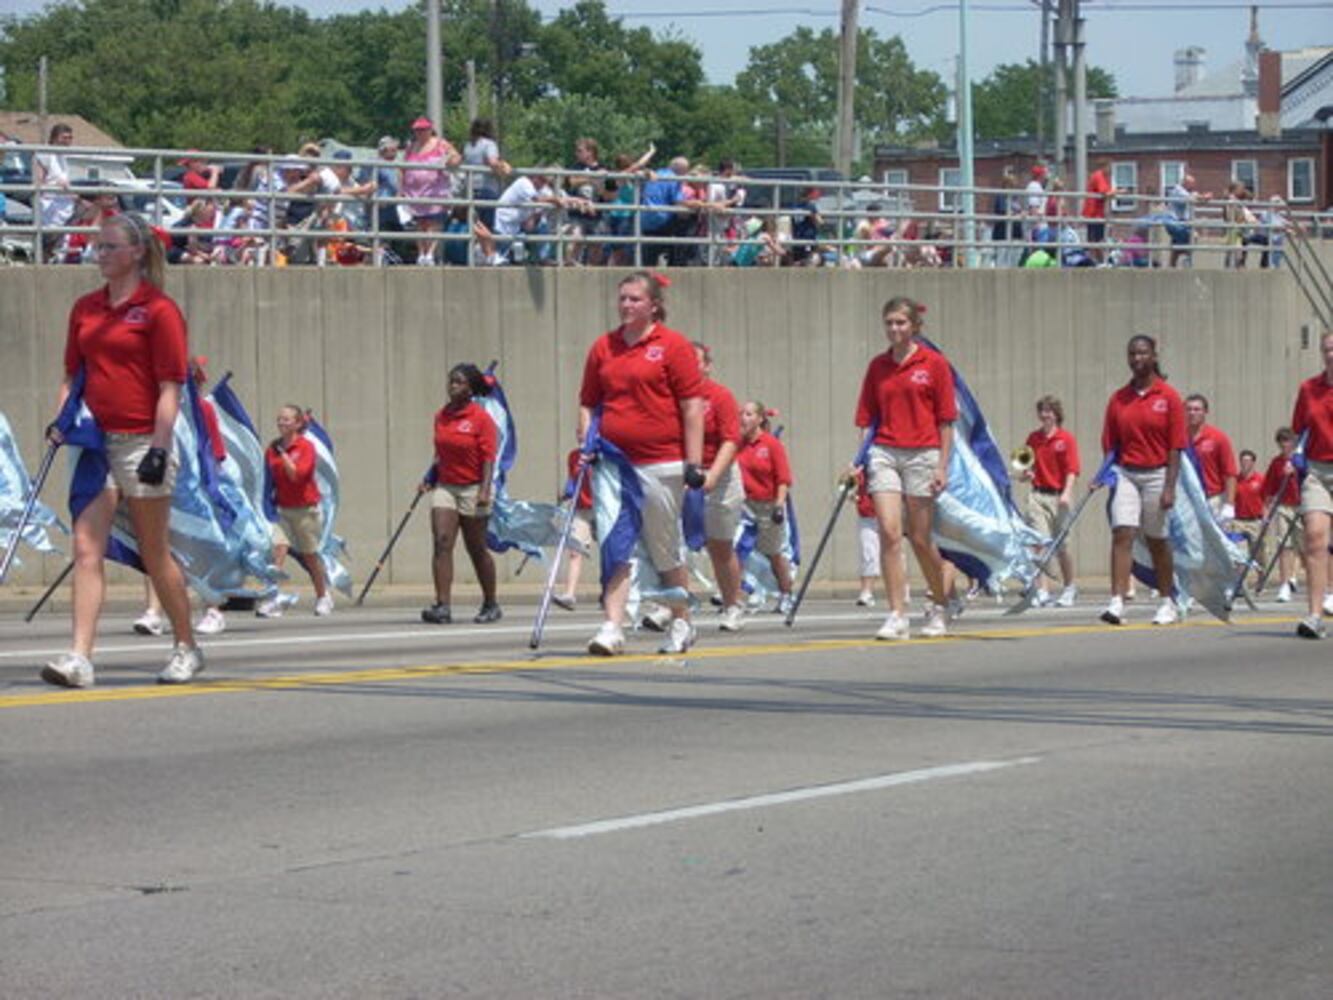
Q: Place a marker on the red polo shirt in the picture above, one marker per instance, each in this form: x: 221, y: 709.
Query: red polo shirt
x: 1099, y: 186
x: 1277, y: 470
x: 1057, y: 458
x: 865, y: 506
x: 907, y: 402
x: 465, y: 439
x: 722, y: 419
x: 764, y: 467
x: 1216, y: 459
x: 640, y: 387
x: 1144, y: 427
x: 127, y: 350
x: 1250, y: 497
x: 302, y: 491
x: 1314, y: 412
x: 584, y: 501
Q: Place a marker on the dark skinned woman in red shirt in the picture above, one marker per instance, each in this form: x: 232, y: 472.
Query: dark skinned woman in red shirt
x: 1145, y: 426
x: 130, y: 339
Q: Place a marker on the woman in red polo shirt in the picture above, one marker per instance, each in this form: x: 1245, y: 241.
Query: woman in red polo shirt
x: 1145, y: 427
x: 724, y: 489
x: 907, y: 396
x: 291, y: 466
x: 1054, y: 470
x: 767, y: 476
x: 645, y: 378
x: 1313, y: 413
x: 466, y: 445
x: 130, y: 340
x: 1282, y: 486
x: 580, y: 530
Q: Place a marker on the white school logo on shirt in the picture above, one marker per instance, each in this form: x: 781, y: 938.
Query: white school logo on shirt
x: 920, y: 377
x: 136, y: 314
x: 1159, y: 406
x: 1058, y: 446
x: 465, y: 426
x: 761, y: 451
x: 654, y: 353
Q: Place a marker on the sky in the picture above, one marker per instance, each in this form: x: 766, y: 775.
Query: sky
x: 1134, y: 39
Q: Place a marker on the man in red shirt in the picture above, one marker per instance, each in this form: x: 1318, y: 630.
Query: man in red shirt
x: 198, y: 175
x: 1055, y: 468
x: 1100, y: 192
x: 1249, y: 504
x: 1217, y: 459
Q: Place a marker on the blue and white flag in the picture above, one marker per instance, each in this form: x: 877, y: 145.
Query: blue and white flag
x: 15, y: 487
x: 977, y: 525
x: 332, y: 548
x: 201, y: 528
x: 527, y: 525
x: 1205, y: 559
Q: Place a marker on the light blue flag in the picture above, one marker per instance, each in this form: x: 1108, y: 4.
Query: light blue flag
x: 977, y: 524
x: 202, y: 522
x: 15, y: 486
x: 332, y: 548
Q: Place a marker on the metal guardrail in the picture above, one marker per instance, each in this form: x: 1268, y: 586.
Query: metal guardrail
x: 870, y: 223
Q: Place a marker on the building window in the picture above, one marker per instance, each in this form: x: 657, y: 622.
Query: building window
x: 895, y: 178
x: 1300, y: 179
x: 1246, y: 172
x: 1124, y: 178
x: 1172, y: 173
x: 950, y: 177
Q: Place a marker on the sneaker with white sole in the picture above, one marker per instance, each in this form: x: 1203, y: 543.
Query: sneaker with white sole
x: 69, y: 670
x: 1168, y: 613
x: 1067, y: 597
x: 271, y: 608
x: 609, y: 640
x: 785, y: 603
x: 1310, y: 627
x: 213, y: 622
x: 895, y: 627
x: 1115, y: 611
x: 679, y: 638
x: 324, y: 606
x: 185, y: 663
x: 1284, y: 593
x: 656, y: 619
x: 567, y: 601
x: 954, y: 609
x: 865, y: 599
x: 1042, y: 599
x: 935, y: 625
x: 1328, y: 604
x: 149, y: 623
x: 732, y: 619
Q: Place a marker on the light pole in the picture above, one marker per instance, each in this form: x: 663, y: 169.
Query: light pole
x: 968, y: 175
x: 434, y: 83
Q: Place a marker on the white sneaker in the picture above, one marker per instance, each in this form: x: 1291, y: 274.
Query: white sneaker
x: 865, y: 599
x: 69, y: 670
x: 1042, y: 599
x: 213, y: 622
x: 935, y: 625
x: 1168, y: 613
x: 287, y: 601
x: 609, y: 640
x: 272, y: 608
x: 1310, y: 627
x: 1115, y: 611
x: 785, y: 603
x: 568, y: 602
x: 185, y: 663
x: 895, y: 627
x: 656, y: 619
x: 954, y: 609
x: 680, y: 637
x: 324, y: 606
x: 1284, y: 593
x: 149, y: 623
x: 1328, y: 604
x: 732, y: 619
x: 1067, y: 597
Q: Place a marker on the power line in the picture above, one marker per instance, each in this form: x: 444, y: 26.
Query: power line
x: 1111, y: 7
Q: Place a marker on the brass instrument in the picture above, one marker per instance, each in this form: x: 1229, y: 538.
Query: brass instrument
x: 1022, y: 459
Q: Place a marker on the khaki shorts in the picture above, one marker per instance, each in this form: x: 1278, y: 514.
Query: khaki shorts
x: 901, y: 470
x: 1283, y: 522
x: 581, y: 528
x: 299, y: 528
x: 1137, y: 501
x: 1317, y: 490
x: 722, y: 508
x: 461, y: 498
x: 1045, y: 513
x: 770, y: 537
x: 124, y: 452
x: 663, y: 490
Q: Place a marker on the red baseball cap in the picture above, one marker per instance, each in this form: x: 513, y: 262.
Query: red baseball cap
x: 422, y: 122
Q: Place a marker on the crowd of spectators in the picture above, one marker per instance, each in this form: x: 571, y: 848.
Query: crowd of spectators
x: 426, y: 202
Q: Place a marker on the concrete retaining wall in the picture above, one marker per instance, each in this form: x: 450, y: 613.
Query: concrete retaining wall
x: 368, y: 351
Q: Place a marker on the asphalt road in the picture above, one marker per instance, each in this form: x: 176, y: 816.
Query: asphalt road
x: 364, y: 806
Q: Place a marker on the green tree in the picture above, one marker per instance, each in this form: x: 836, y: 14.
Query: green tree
x: 1004, y: 104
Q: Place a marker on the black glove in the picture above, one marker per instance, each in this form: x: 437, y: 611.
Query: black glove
x: 153, y: 467
x: 52, y: 434
x: 694, y: 476
x: 779, y: 515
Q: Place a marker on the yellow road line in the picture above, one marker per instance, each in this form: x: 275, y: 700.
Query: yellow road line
x: 381, y: 675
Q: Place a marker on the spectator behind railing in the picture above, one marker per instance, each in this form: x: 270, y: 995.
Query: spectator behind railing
x: 50, y: 171
x: 482, y: 150
x: 583, y: 225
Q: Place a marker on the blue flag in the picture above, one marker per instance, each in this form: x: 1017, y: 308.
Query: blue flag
x: 332, y: 548
x: 15, y: 487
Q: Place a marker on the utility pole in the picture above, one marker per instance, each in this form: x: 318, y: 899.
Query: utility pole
x: 43, y: 133
x: 1044, y: 59
x: 1080, y: 103
x: 965, y: 139
x: 471, y: 91
x: 1063, y: 36
x: 434, y: 84
x: 847, y: 89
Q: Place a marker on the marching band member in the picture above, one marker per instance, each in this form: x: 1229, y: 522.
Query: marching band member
x: 1249, y: 504
x: 1287, y: 522
x: 1217, y: 459
x: 580, y: 530
x: 767, y: 474
x: 300, y: 525
x: 1313, y: 413
x: 867, y: 542
x: 723, y: 488
x: 1145, y: 426
x: 1055, y: 468
x: 907, y: 397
